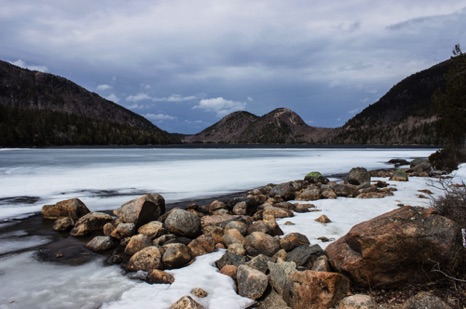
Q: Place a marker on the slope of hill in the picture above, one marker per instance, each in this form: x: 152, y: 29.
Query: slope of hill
x: 41, y: 109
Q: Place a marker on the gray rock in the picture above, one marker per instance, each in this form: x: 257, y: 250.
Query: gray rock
x: 304, y: 255
x: 183, y: 223
x: 230, y: 259
x: 279, y: 275
x: 358, y: 176
x: 251, y: 282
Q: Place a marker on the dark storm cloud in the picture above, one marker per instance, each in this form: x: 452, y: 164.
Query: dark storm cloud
x: 184, y: 64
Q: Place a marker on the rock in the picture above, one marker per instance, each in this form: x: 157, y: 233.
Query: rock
x: 136, y: 243
x: 101, y: 243
x: 260, y: 263
x: 183, y: 223
x: 152, y: 229
x: 272, y: 301
x: 144, y: 209
x: 328, y: 193
x: 293, y: 240
x: 237, y: 249
x: 359, y: 301
x: 160, y: 241
x: 232, y: 236
x: 240, y: 208
x: 219, y: 220
x: 251, y: 282
x: 315, y: 289
x: 176, y: 256
x: 274, y: 228
x: 345, y: 190
x: 401, y: 246
x: 259, y: 226
x: 217, y: 208
x: 186, y: 302
x: 123, y: 230
x: 238, y: 225
x: 358, y: 176
x: 73, y: 208
x: 323, y: 219
x: 146, y: 259
x: 202, y: 245
x: 399, y: 175
x: 108, y: 228
x: 277, y: 212
x: 284, y: 190
x: 315, y: 177
x: 230, y: 259
x: 260, y: 243
x: 398, y: 162
x: 93, y: 221
x: 159, y: 277
x: 199, y: 293
x: 309, y: 194
x: 425, y: 300
x: 63, y: 224
x: 230, y: 271
x: 280, y: 275
x: 321, y: 264
x: 216, y: 232
x: 304, y: 255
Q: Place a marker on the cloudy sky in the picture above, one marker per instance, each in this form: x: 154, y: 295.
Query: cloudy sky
x: 185, y: 64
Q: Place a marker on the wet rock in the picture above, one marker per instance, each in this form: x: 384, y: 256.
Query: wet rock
x: 251, y: 282
x: 186, y: 302
x: 315, y: 289
x: 93, y: 221
x: 144, y: 209
x: 293, y: 240
x: 63, y: 224
x: 176, y: 256
x: 358, y: 176
x: 136, y: 243
x: 183, y: 223
x: 101, y: 243
x: 73, y: 208
x: 401, y: 246
x: 157, y: 276
x: 261, y: 243
x: 152, y: 229
x: 146, y: 259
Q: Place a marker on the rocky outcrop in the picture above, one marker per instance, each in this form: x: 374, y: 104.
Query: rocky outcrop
x: 401, y: 246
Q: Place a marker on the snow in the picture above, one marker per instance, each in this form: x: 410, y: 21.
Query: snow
x: 28, y: 283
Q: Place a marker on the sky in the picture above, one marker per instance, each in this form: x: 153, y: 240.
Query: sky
x: 186, y: 64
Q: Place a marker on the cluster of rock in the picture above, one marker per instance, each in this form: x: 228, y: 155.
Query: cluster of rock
x: 267, y: 266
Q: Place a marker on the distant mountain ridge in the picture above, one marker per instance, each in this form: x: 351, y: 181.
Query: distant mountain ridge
x: 42, y: 109
x: 405, y: 115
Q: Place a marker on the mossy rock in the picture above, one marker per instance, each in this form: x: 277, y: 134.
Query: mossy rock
x: 315, y: 177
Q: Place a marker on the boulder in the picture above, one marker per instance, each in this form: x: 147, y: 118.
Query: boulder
x: 237, y: 225
x: 219, y: 220
x: 146, y: 259
x: 160, y: 277
x: 152, y: 229
x: 123, y: 230
x: 237, y: 249
x: 202, y: 245
x: 230, y: 259
x: 358, y: 176
x: 144, y: 209
x: 252, y: 283
x: 186, y: 302
x: 280, y: 275
x: 183, y: 223
x: 277, y: 212
x: 73, y: 208
x: 425, y: 300
x: 217, y: 208
x: 240, y: 208
x: 93, y: 221
x: 328, y: 193
x: 310, y: 194
x: 360, y: 301
x: 401, y: 246
x: 160, y: 241
x: 232, y: 236
x: 176, y: 256
x: 284, y: 190
x: 101, y: 243
x: 260, y: 263
x: 136, y: 243
x: 399, y: 175
x: 315, y: 289
x: 321, y: 264
x: 260, y: 243
x: 345, y: 190
x: 259, y: 226
x: 63, y: 224
x: 293, y: 240
x: 315, y: 177
x: 230, y: 271
x: 304, y: 255
x: 108, y: 228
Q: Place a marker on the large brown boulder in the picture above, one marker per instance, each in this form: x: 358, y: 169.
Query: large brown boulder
x: 260, y: 243
x: 183, y: 223
x: 315, y: 289
x: 144, y: 209
x: 397, y: 247
x: 176, y: 255
x: 146, y: 259
x: 73, y: 208
x: 358, y: 176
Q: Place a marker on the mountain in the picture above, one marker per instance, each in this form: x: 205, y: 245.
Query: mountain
x: 280, y: 126
x: 41, y: 109
x: 405, y: 115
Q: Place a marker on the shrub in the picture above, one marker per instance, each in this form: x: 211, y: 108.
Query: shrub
x: 447, y: 159
x: 452, y: 204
